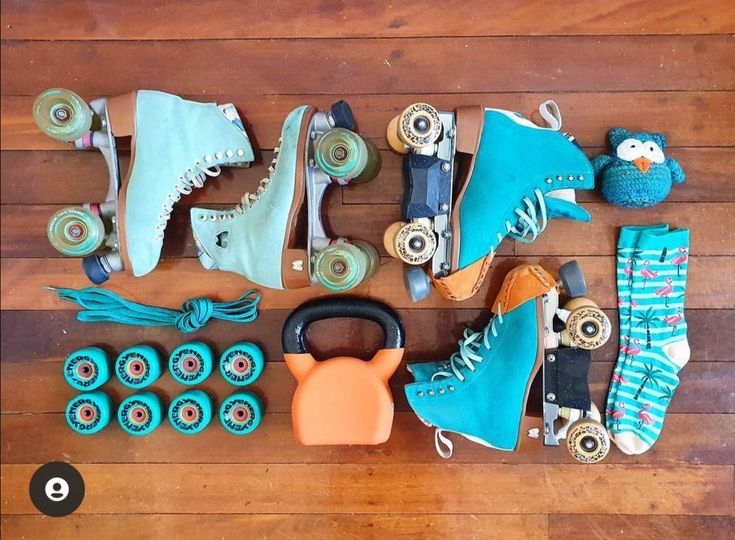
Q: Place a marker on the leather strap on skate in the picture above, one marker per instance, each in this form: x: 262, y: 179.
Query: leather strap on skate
x: 463, y: 284
x: 521, y: 284
x: 121, y: 114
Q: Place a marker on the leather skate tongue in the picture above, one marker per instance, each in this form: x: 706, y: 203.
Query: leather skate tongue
x: 561, y: 208
x: 521, y: 284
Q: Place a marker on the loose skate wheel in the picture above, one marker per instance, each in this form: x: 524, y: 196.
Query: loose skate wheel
x: 89, y: 413
x: 418, y: 126
x: 415, y: 243
x: 191, y: 363
x: 75, y: 231
x: 341, y: 154
x: 242, y: 363
x: 62, y: 114
x: 138, y: 366
x: 340, y: 267
x: 372, y: 258
x: 588, y: 441
x: 140, y: 413
x: 572, y: 279
x: 241, y: 413
x: 587, y: 326
x: 417, y: 283
x: 190, y: 412
x: 87, y: 369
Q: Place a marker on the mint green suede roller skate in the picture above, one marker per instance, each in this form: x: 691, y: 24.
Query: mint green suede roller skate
x: 176, y: 146
x: 472, y: 177
x: 257, y: 239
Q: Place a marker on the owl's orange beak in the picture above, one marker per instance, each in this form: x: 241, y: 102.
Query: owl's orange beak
x: 643, y: 164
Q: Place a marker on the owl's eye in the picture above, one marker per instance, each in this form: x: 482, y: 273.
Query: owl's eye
x: 630, y: 149
x: 653, y: 151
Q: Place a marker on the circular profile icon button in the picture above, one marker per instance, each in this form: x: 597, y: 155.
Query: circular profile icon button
x: 56, y: 489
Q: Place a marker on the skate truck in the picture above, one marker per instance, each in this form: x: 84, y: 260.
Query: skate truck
x: 481, y: 391
x: 471, y: 177
x: 262, y: 238
x: 176, y: 145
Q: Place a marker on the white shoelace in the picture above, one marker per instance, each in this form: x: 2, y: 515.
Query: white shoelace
x: 249, y: 199
x: 192, y: 178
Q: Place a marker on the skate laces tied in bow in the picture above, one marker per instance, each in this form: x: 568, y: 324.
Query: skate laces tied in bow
x: 192, y: 178
x: 465, y: 358
x: 248, y: 199
x: 101, y: 305
x: 528, y: 219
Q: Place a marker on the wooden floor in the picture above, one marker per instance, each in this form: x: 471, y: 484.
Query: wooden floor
x: 667, y: 66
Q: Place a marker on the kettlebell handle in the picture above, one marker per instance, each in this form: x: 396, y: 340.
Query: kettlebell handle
x: 349, y: 307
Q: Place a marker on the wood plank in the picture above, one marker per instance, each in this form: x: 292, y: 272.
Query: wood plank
x: 700, y: 390
x: 385, y: 66
x: 709, y: 441
x: 701, y: 119
x: 429, y: 334
x: 221, y: 19
x: 283, y: 526
x: 25, y: 228
x: 449, y: 488
x: 23, y: 282
x: 563, y: 526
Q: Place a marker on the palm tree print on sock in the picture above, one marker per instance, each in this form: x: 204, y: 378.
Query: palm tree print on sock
x: 649, y: 377
x: 647, y: 319
x: 666, y: 394
x: 662, y: 258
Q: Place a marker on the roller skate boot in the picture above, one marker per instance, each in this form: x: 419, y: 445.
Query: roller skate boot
x: 480, y: 392
x: 258, y: 238
x: 472, y: 177
x: 176, y: 145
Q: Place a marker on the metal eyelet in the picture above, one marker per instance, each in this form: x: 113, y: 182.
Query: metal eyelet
x: 441, y: 391
x: 230, y: 153
x: 218, y: 155
x: 431, y: 392
x: 580, y: 177
x: 451, y: 388
x: 208, y: 158
x: 240, y: 152
x: 420, y: 394
x: 549, y: 180
x: 570, y: 178
x: 560, y: 178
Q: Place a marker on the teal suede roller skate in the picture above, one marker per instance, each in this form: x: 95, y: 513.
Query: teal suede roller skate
x: 140, y: 414
x: 258, y: 238
x: 190, y: 412
x: 89, y: 413
x: 471, y: 178
x: 176, y: 145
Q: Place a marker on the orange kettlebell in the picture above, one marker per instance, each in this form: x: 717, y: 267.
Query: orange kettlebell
x: 342, y: 400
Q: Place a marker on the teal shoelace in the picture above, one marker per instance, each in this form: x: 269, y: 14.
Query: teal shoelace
x: 101, y: 305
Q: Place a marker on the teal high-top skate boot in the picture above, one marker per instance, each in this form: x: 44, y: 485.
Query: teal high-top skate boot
x: 480, y: 392
x: 510, y: 177
x: 257, y: 238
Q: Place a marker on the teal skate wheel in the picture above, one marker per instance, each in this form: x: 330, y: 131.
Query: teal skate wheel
x: 89, y: 413
x: 242, y: 363
x: 190, y: 412
x: 62, y: 114
x: 191, y: 363
x: 241, y: 413
x: 138, y: 366
x: 87, y: 369
x: 341, y: 154
x: 140, y: 413
x: 75, y: 231
x: 341, y: 267
x: 370, y: 256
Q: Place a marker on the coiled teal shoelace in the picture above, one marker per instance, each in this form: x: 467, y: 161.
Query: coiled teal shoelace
x: 101, y: 305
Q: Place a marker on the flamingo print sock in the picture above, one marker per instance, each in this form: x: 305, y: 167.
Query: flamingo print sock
x: 646, y: 376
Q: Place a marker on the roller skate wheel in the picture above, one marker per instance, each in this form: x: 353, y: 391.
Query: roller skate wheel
x: 140, y: 414
x: 62, y: 114
x: 389, y: 238
x: 87, y: 369
x: 191, y: 363
x: 572, y: 279
x: 417, y: 283
x: 241, y: 413
x: 372, y: 167
x: 588, y: 327
x: 391, y: 134
x: 415, y: 243
x: 242, y: 363
x: 89, y: 413
x: 75, y: 231
x: 371, y: 256
x: 419, y: 125
x: 190, y: 412
x: 138, y: 366
x: 341, y: 154
x: 588, y: 441
x: 340, y: 267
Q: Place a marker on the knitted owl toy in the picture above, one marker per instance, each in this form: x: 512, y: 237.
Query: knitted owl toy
x: 638, y: 174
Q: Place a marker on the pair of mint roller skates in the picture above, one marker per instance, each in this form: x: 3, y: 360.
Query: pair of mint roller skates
x: 481, y: 391
x: 471, y: 177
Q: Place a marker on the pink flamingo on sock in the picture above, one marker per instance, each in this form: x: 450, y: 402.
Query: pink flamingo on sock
x: 647, y: 273
x: 616, y: 378
x: 666, y: 290
x: 633, y: 303
x: 680, y: 259
x: 673, y: 320
x: 628, y: 271
x: 617, y: 413
x: 645, y: 418
x: 635, y: 349
x: 624, y: 347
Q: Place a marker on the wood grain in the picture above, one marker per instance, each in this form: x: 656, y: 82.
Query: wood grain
x: 451, y: 488
x: 599, y: 526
